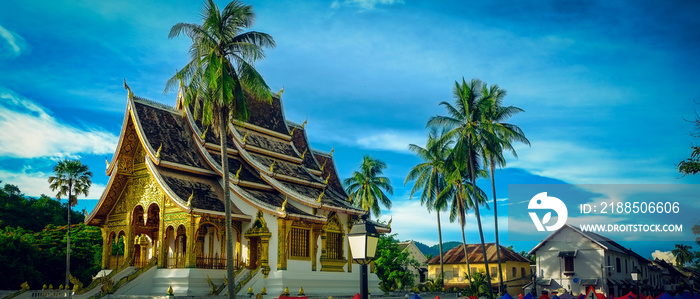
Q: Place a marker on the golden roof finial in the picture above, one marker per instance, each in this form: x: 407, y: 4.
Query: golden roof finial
x: 320, y: 196
x: 159, y: 149
x: 303, y: 125
x: 107, y: 162
x: 204, y: 134
x: 331, y: 153
x: 291, y: 133
x: 130, y: 94
x: 272, y: 166
x: 324, y: 165
x: 279, y: 93
x: 238, y: 173
x: 390, y: 220
x: 284, y: 204
x: 245, y: 136
x: 301, y: 291
x: 328, y: 177
x: 189, y: 200
x: 304, y: 153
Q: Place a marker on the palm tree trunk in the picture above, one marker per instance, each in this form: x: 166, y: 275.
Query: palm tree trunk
x: 466, y: 255
x: 481, y: 231
x: 70, y: 187
x: 223, y: 134
x: 495, y: 217
x: 442, y: 266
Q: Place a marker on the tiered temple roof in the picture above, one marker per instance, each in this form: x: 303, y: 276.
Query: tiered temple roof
x: 271, y: 164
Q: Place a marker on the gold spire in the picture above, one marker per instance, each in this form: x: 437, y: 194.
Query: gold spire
x: 328, y: 177
x: 245, y: 136
x: 303, y: 125
x: 324, y: 165
x: 320, y: 196
x: 284, y: 204
x: 130, y: 94
x: 238, y: 173
x: 291, y: 133
x: 159, y: 149
x: 279, y: 93
x: 304, y: 153
x: 272, y: 166
x: 107, y: 162
x: 331, y: 153
x: 390, y: 220
x: 204, y: 134
x: 189, y: 200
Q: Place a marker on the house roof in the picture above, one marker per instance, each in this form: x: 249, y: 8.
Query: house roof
x: 266, y: 165
x: 456, y: 255
x: 602, y: 241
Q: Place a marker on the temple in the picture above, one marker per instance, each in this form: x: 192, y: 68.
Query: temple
x: 164, y: 202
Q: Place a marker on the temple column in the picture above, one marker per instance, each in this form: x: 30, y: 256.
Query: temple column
x: 282, y: 228
x: 162, y: 247
x: 106, y: 250
x: 190, y: 255
x: 315, y: 233
x: 264, y: 251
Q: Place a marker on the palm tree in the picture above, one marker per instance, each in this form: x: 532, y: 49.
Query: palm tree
x: 462, y: 196
x: 683, y: 254
x: 466, y: 125
x: 365, y: 186
x: 430, y: 180
x: 503, y: 135
x: 72, y: 179
x: 218, y: 78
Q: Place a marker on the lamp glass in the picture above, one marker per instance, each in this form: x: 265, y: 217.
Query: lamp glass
x: 635, y: 276
x: 371, y: 246
x: 358, y: 246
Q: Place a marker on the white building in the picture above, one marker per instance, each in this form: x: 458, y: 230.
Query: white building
x: 575, y: 260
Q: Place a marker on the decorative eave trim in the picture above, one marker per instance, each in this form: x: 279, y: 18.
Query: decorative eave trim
x: 105, y: 192
x: 142, y: 136
x: 163, y: 186
x: 290, y: 179
x: 253, y: 127
x: 219, y: 172
x: 122, y: 134
x: 255, y: 185
x: 315, y: 172
x: 234, y: 216
x: 243, y: 195
x: 186, y: 168
x: 307, y: 201
x: 263, y: 151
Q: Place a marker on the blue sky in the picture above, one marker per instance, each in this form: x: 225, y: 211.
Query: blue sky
x: 605, y: 85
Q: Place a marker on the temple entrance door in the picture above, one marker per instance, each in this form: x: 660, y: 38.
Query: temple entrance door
x: 145, y: 225
x: 254, y: 252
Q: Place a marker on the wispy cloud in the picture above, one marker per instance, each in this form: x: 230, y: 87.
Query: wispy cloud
x: 390, y: 141
x: 364, y: 5
x: 11, y: 44
x: 27, y: 130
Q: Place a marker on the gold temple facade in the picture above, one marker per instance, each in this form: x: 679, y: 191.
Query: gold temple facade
x: 164, y: 201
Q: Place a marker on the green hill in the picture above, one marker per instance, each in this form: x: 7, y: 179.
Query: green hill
x: 433, y: 250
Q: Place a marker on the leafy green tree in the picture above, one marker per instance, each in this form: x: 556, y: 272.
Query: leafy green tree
x: 18, y: 256
x: 72, y: 178
x: 430, y: 180
x: 467, y: 125
x: 683, y: 254
x: 218, y: 78
x: 502, y: 136
x: 393, y: 265
x: 366, y: 187
x: 691, y: 165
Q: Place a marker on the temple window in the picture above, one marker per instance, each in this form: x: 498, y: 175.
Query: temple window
x: 334, y: 243
x: 299, y: 243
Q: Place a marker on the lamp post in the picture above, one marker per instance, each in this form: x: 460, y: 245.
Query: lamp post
x: 692, y: 285
x: 635, y: 277
x: 363, y: 239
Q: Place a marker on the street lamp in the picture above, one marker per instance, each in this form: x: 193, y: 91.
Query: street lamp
x: 692, y: 286
x: 635, y: 277
x: 363, y: 239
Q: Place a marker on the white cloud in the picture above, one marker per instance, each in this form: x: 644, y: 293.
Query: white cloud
x: 391, y: 141
x: 33, y: 183
x: 664, y: 255
x: 27, y: 130
x: 12, y: 42
x: 364, y: 4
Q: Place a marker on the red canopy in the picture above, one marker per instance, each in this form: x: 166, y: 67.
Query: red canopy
x: 544, y: 296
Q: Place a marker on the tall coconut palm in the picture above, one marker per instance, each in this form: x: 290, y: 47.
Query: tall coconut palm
x: 466, y: 125
x: 219, y: 77
x: 462, y: 196
x: 683, y: 254
x: 430, y: 180
x: 366, y: 187
x: 504, y: 134
x: 72, y: 178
